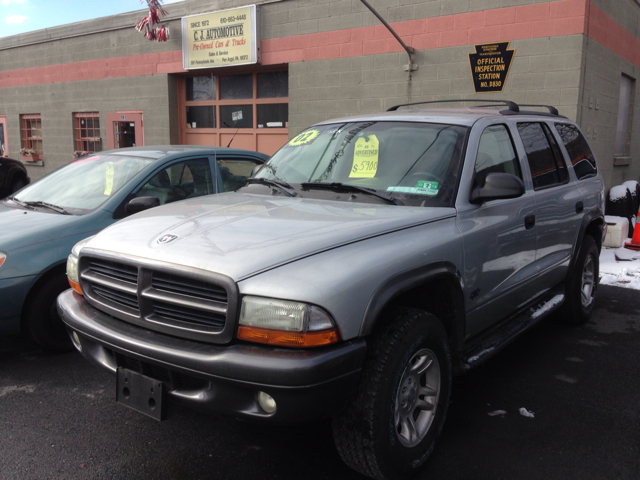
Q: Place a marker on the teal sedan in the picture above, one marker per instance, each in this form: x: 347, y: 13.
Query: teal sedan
x: 41, y: 222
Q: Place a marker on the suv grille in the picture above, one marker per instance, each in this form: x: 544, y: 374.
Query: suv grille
x: 181, y: 303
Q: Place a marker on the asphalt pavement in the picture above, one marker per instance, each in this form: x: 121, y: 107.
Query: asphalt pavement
x: 59, y: 419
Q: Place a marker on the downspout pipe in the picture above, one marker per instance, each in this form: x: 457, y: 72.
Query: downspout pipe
x: 410, y: 50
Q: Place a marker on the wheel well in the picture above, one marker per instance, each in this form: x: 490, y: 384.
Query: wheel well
x: 442, y: 297
x: 44, y: 278
x: 594, y: 229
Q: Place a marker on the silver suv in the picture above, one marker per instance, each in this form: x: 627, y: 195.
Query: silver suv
x: 370, y: 260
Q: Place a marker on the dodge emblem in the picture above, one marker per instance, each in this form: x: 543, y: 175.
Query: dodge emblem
x: 167, y: 238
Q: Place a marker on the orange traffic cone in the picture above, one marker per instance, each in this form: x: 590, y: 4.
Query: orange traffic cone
x: 635, y: 240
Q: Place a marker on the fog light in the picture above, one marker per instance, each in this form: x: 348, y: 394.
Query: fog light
x: 76, y: 341
x: 266, y: 401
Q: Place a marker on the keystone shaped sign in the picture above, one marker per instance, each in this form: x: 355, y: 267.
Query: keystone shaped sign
x: 490, y: 66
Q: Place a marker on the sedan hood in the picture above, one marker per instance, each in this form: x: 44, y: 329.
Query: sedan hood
x: 240, y: 235
x: 22, y: 228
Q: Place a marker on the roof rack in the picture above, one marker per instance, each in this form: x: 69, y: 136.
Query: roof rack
x: 552, y: 110
x: 513, y: 107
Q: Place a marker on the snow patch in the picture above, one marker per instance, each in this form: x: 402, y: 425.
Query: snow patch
x: 495, y: 413
x: 620, y: 267
x: 617, y: 193
x: 564, y: 378
x: 632, y: 185
x: 482, y: 353
x: 14, y: 388
x: 548, y: 306
x: 526, y: 413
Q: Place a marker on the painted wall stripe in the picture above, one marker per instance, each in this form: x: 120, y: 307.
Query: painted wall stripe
x: 563, y: 17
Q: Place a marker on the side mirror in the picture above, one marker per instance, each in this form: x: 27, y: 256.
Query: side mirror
x: 140, y: 204
x: 256, y: 169
x: 497, y: 186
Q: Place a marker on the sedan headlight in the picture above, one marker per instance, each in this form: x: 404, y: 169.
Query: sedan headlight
x: 3, y: 258
x: 72, y: 265
x: 286, y: 323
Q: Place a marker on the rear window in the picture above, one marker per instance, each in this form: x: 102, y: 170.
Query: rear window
x: 544, y: 157
x: 581, y: 156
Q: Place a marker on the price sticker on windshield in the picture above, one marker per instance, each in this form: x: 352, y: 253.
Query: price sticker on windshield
x: 365, y: 158
x: 304, y: 138
x: 108, y: 184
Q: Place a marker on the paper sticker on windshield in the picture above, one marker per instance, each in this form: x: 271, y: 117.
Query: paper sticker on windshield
x: 365, y: 158
x: 108, y: 184
x: 305, y: 138
x: 423, y: 187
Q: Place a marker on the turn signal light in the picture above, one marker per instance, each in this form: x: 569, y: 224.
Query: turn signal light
x: 287, y: 339
x: 75, y: 286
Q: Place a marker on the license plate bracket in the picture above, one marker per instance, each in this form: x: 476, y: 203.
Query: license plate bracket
x: 141, y: 393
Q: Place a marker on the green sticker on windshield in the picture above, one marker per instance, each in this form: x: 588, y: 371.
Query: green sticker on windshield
x: 304, y: 138
x: 424, y: 187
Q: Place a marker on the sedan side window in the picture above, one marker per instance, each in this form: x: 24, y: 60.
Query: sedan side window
x: 235, y: 172
x: 180, y: 181
x: 546, y: 163
x: 495, y: 154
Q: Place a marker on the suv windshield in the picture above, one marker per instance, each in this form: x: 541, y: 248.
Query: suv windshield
x: 412, y: 163
x: 83, y: 185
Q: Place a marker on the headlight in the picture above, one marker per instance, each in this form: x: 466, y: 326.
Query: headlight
x: 72, y: 265
x: 286, y: 323
x: 3, y: 257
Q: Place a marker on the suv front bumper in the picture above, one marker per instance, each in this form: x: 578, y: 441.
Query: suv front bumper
x: 222, y: 379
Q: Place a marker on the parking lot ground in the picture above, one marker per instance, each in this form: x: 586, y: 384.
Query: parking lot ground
x: 58, y: 417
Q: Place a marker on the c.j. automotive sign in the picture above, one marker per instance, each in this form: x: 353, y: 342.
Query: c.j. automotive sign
x: 490, y: 66
x: 221, y: 39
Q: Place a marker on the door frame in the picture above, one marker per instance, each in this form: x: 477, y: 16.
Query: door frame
x: 134, y: 116
x: 3, y: 125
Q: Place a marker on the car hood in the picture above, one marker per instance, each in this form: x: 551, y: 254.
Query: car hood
x: 21, y: 228
x: 240, y: 235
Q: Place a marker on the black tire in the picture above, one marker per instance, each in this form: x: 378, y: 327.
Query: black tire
x: 582, y: 284
x: 17, y: 184
x: 370, y: 434
x: 41, y: 320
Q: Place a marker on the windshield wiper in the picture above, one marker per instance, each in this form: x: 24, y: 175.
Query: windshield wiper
x: 350, y: 188
x: 50, y: 206
x: 19, y: 202
x: 280, y: 185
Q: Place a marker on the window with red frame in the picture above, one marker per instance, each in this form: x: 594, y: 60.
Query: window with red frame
x: 87, y: 132
x: 31, y: 132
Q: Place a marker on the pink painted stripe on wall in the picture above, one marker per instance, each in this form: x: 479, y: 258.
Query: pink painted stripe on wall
x: 563, y: 17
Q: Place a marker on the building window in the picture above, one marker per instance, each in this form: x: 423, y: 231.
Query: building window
x: 246, y: 101
x: 87, y: 132
x: 627, y: 85
x: 31, y: 132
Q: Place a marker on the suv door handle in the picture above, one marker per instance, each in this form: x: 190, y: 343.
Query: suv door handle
x: 579, y: 207
x: 529, y: 221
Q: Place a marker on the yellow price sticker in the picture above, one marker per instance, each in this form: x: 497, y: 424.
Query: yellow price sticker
x: 365, y: 158
x: 304, y: 138
x: 108, y: 184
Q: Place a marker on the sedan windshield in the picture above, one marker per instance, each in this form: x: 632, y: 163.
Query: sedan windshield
x: 83, y: 185
x: 409, y: 163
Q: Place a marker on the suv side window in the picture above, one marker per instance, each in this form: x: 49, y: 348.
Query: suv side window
x: 179, y: 181
x: 544, y: 157
x: 495, y: 154
x: 581, y: 156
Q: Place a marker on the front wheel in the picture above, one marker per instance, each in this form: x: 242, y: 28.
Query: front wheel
x: 582, y: 284
x: 41, y: 319
x: 389, y: 429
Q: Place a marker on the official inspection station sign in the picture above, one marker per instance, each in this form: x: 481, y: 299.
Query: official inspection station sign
x: 221, y: 39
x: 490, y: 66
